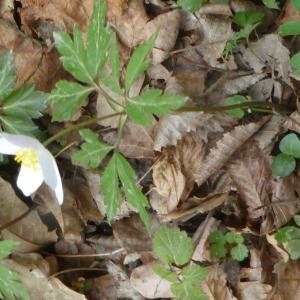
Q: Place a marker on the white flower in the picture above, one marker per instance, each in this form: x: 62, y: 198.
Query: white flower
x: 37, y: 163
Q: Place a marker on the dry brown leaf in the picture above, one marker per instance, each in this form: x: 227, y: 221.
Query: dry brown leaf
x: 216, y: 31
x: 288, y: 280
x: 225, y: 147
x: 250, y: 171
x: 30, y: 231
x: 216, y: 9
x: 260, y: 55
x: 293, y: 122
x: 215, y: 285
x: 253, y: 290
x: 154, y: 286
x: 136, y: 142
x: 172, y: 128
x: 34, y: 272
x: 134, y: 28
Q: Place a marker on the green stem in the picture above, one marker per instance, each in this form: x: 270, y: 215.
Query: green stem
x: 250, y: 104
x: 80, y: 126
x: 211, y: 109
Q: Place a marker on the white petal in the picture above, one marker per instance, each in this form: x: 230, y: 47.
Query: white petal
x: 29, y: 180
x: 51, y: 174
x: 11, y: 143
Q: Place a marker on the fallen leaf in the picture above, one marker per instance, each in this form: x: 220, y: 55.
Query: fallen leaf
x: 253, y: 290
x: 225, y: 147
x: 30, y: 231
x: 149, y: 284
x: 250, y: 171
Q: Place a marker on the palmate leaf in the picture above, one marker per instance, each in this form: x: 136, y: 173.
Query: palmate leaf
x: 173, y: 246
x: 187, y: 291
x: 295, y: 63
x: 296, y: 4
x: 74, y: 56
x: 13, y: 124
x: 290, y: 145
x: 193, y: 274
x: 239, y: 252
x: 141, y: 108
x: 110, y: 188
x: 271, y: 3
x: 283, y: 165
x: 25, y: 102
x: 10, y: 286
x: 97, y: 39
x: 165, y: 273
x: 67, y: 98
x: 139, y: 62
x: 133, y: 195
x: 7, y: 75
x: 92, y: 151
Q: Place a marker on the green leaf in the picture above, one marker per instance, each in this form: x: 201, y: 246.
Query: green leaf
x: 74, y: 56
x: 239, y: 252
x: 190, y: 5
x: 217, y: 237
x: 271, y: 4
x: 290, y: 145
x: 165, y: 273
x: 92, y: 152
x: 141, y: 107
x: 284, y: 234
x: 193, y: 274
x: 293, y: 248
x: 133, y: 195
x: 110, y: 188
x: 97, y: 39
x: 139, y: 62
x: 173, y: 246
x: 297, y: 220
x: 112, y: 80
x: 13, y: 124
x: 7, y: 75
x: 283, y: 165
x: 10, y: 286
x: 296, y: 4
x: 67, y: 98
x: 25, y: 102
x: 186, y: 291
x: 295, y: 63
x: 6, y: 248
x: 247, y: 18
x: 236, y: 112
x: 234, y: 238
x: 218, y: 250
x: 289, y: 28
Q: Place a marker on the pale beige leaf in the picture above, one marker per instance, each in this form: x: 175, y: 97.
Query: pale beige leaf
x: 225, y: 147
x: 250, y: 171
x: 293, y: 122
x: 253, y: 290
x: 34, y: 273
x: 154, y: 286
x: 260, y: 55
x: 173, y: 127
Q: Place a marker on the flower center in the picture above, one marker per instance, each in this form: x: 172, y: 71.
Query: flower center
x: 29, y: 158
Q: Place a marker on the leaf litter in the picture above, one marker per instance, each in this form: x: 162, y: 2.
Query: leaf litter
x: 202, y: 171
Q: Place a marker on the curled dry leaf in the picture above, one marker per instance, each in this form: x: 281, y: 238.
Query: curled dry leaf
x: 260, y: 55
x: 34, y: 272
x: 293, y: 122
x: 173, y: 173
x: 250, y: 171
x: 225, y: 147
x: 253, y: 290
x: 154, y: 286
x: 30, y: 231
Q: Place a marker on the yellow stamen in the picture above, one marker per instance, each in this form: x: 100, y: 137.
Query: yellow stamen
x: 29, y: 158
